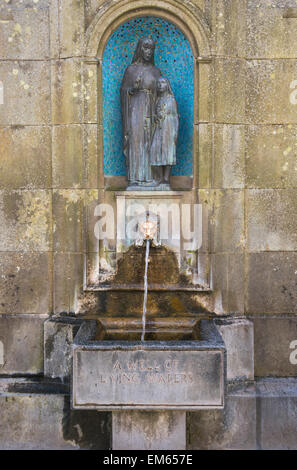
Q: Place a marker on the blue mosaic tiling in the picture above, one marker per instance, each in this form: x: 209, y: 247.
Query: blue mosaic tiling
x: 173, y: 56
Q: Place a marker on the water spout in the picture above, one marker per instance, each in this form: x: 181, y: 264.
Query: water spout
x: 147, y: 230
x: 147, y: 252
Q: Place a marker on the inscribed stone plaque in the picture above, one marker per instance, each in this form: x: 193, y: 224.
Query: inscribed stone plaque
x: 147, y: 379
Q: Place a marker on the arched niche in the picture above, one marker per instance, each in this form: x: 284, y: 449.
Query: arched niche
x: 174, y: 57
x: 190, y: 22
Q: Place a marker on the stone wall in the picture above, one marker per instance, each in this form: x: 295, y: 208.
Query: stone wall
x: 247, y: 169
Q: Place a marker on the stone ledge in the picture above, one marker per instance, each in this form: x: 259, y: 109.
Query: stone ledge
x: 44, y: 420
x: 261, y: 415
x: 276, y: 387
x: 31, y: 385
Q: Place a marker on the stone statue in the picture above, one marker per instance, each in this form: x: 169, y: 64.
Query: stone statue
x: 138, y: 99
x: 163, y: 149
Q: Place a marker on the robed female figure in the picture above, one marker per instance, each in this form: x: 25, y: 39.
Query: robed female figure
x: 138, y: 100
x: 163, y: 149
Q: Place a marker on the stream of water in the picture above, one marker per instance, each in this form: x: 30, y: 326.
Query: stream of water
x: 147, y: 252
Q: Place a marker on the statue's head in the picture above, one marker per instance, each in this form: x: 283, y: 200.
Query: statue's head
x: 144, y: 52
x: 163, y: 86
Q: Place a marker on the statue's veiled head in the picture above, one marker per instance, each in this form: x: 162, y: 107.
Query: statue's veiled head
x: 164, y: 87
x: 144, y: 52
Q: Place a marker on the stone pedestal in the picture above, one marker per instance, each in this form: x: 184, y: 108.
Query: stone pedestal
x: 142, y: 430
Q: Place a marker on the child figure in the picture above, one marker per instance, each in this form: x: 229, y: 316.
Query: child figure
x: 163, y: 148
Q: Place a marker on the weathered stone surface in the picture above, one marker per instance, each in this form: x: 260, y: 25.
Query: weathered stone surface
x: 54, y: 29
x: 24, y: 283
x: 205, y: 132
x: 269, y: 34
x: 227, y: 221
x: 67, y: 157
x: 238, y: 336
x: 68, y: 219
x: 261, y: 102
x: 200, y: 4
x: 162, y: 378
x: 268, y: 91
x: 92, y: 199
x: 25, y: 217
x: 277, y: 414
x: 229, y: 156
x: 274, y: 346
x: 30, y: 82
x: 203, y: 269
x: 271, y: 226
x: 272, y: 281
x: 205, y: 110
x: 90, y: 148
x: 24, y: 32
x: 228, y: 283
x: 231, y: 428
x: 205, y: 198
x: 22, y: 339
x: 45, y: 421
x: 91, y: 7
x: 255, y: 417
x: 230, y: 27
x: 71, y: 32
x: 25, y: 157
x: 139, y: 430
x: 91, y: 93
x: 222, y: 156
x: 58, y: 338
x: 68, y: 282
x: 229, y: 79
x: 271, y: 156
x: 66, y: 91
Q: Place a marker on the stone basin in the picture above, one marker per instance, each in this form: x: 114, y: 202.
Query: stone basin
x: 111, y: 371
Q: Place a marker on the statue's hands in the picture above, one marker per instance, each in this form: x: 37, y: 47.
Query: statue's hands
x: 137, y: 82
x: 161, y: 113
x: 136, y: 85
x: 126, y: 141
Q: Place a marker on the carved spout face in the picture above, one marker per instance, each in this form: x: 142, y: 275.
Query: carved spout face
x: 147, y: 50
x: 148, y: 229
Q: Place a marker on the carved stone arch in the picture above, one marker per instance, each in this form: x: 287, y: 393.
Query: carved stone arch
x: 186, y: 16
x: 192, y: 23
